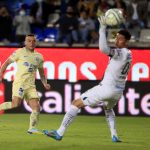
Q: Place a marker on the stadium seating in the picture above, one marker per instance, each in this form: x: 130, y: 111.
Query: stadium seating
x: 50, y: 34
x: 145, y: 35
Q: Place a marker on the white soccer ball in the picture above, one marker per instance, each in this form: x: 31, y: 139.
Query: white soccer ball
x: 114, y: 17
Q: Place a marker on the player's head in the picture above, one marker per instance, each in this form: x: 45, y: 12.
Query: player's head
x: 122, y: 38
x: 30, y: 41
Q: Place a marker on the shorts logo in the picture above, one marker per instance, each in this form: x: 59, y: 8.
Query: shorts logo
x: 20, y: 91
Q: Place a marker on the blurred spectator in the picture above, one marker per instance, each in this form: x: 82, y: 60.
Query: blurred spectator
x: 87, y: 5
x: 73, y: 4
x: 40, y: 11
x: 120, y: 4
x: 21, y: 23
x: 101, y: 7
x: 63, y: 6
x: 148, y: 14
x: 5, y: 25
x: 111, y: 3
x: 116, y: 4
x: 136, y: 16
x: 68, y: 27
x: 86, y: 27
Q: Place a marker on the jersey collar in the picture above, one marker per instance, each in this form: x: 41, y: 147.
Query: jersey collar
x: 29, y: 50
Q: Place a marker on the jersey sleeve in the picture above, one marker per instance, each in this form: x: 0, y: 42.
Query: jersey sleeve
x: 103, y: 46
x: 15, y: 56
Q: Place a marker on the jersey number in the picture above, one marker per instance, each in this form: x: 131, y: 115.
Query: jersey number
x: 126, y: 68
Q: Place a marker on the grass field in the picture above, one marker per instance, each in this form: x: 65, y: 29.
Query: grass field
x: 86, y: 133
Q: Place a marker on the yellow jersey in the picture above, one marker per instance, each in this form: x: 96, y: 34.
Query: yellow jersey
x: 27, y: 64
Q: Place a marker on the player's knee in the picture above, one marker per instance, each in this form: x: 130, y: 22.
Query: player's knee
x: 109, y: 112
x: 35, y: 106
x: 78, y: 103
x: 15, y: 104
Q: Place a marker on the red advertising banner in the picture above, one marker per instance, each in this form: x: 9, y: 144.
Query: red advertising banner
x: 1, y: 94
x: 82, y: 68
x: 75, y: 64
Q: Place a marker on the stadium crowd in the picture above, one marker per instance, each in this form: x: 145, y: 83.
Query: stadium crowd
x: 68, y: 21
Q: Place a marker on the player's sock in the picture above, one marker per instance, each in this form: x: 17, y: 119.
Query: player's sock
x: 68, y: 118
x: 34, y: 118
x: 110, y: 117
x: 5, y: 106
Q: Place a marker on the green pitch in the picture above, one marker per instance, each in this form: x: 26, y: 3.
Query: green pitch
x: 86, y: 133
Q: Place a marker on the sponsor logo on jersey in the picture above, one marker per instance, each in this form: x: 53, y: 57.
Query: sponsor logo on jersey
x: 26, y: 64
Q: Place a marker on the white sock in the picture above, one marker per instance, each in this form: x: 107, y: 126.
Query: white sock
x: 34, y: 118
x: 110, y: 117
x: 68, y: 118
x: 5, y: 106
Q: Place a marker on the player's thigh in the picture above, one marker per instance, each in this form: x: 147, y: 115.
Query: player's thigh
x: 110, y: 103
x: 17, y: 91
x: 96, y: 95
x: 16, y: 101
x: 32, y: 98
x: 91, y: 97
x: 31, y: 93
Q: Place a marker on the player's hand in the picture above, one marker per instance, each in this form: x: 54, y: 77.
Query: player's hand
x: 47, y: 86
x: 102, y: 21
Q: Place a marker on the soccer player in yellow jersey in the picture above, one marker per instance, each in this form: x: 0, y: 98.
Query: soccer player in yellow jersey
x: 28, y: 62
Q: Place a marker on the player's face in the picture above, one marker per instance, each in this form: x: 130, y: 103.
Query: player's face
x: 120, y: 41
x: 30, y: 42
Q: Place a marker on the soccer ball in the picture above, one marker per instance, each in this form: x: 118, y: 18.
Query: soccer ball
x: 114, y: 17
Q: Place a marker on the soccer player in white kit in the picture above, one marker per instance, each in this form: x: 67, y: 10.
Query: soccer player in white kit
x: 110, y: 89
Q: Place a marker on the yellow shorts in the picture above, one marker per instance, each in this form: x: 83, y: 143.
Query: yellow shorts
x: 23, y: 92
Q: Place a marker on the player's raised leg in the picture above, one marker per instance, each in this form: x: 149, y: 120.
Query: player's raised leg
x: 6, y: 106
x: 16, y: 101
x: 67, y: 120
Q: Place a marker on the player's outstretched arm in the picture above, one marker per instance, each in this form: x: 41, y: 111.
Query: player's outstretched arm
x: 102, y: 36
x: 4, y: 66
x: 43, y: 79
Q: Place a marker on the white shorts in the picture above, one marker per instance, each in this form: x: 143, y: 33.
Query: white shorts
x: 105, y: 95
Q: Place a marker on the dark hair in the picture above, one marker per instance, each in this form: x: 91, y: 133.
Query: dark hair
x: 30, y: 34
x: 125, y: 33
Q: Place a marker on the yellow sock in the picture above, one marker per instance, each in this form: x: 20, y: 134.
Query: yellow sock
x: 34, y: 118
x: 5, y: 106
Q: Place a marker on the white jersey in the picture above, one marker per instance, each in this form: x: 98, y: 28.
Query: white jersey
x: 118, y: 67
x: 110, y: 90
x: 119, y: 64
